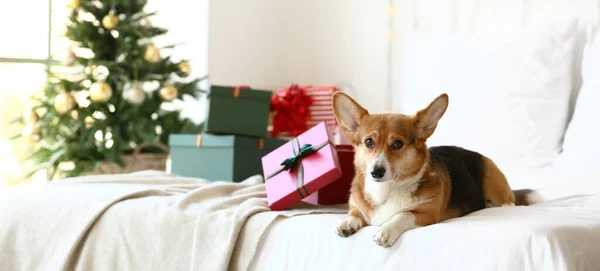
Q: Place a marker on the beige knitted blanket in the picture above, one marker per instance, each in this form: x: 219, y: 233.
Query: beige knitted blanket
x: 142, y: 221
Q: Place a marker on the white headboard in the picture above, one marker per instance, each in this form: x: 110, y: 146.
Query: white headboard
x: 472, y: 16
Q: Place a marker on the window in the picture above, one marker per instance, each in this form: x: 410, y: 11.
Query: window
x: 35, y: 41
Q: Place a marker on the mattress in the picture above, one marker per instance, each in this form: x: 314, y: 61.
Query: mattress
x: 561, y: 231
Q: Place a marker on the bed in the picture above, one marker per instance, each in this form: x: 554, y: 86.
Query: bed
x: 536, y: 96
x: 153, y: 221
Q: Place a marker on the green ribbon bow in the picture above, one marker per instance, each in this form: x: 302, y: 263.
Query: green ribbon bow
x: 291, y: 162
x: 295, y: 162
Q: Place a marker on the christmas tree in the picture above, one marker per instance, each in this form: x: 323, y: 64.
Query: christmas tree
x: 109, y: 96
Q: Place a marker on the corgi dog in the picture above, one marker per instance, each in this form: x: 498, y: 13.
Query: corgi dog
x: 401, y: 184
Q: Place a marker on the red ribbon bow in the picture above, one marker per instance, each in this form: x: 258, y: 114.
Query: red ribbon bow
x: 291, y: 111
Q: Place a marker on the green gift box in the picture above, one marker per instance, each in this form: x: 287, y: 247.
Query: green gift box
x: 230, y: 158
x: 237, y: 110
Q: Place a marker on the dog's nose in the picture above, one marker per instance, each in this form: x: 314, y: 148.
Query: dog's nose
x: 378, y: 172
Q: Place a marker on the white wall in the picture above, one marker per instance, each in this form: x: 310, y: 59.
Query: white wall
x: 271, y: 44
x: 187, y: 25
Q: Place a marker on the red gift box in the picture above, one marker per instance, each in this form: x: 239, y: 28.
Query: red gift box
x: 299, y: 108
x: 337, y: 192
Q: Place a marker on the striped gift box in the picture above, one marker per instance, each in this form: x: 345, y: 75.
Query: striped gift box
x: 321, y: 109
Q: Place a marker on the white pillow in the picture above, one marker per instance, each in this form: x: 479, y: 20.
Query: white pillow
x: 580, y: 147
x: 509, y: 92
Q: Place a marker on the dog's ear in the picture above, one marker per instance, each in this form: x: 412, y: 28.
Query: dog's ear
x: 348, y: 114
x: 426, y: 120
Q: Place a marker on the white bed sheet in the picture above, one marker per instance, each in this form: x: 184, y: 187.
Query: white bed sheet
x: 561, y: 232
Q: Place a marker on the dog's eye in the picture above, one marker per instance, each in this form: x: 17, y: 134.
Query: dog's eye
x: 369, y: 143
x: 397, y: 144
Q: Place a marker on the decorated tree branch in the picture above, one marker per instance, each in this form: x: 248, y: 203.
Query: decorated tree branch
x: 108, y: 94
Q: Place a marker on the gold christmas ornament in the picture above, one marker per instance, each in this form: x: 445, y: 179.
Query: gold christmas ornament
x: 64, y: 103
x: 75, y: 114
x: 74, y: 4
x: 33, y: 131
x: 168, y: 92
x: 184, y: 69
x: 68, y: 57
x: 146, y: 22
x: 35, y: 137
x: 100, y: 92
x: 152, y: 54
x: 135, y: 94
x: 110, y: 21
x: 30, y: 116
x: 89, y: 122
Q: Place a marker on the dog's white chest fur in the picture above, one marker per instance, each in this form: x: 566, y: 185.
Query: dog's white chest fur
x: 390, y: 198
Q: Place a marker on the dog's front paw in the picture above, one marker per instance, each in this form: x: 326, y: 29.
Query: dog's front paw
x: 386, y: 236
x: 349, y: 226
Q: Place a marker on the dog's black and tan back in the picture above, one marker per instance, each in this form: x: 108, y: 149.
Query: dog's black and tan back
x: 474, y: 179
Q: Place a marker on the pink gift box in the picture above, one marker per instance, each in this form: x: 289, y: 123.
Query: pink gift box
x: 315, y: 169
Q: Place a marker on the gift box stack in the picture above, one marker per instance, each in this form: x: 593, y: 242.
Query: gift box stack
x: 234, y: 137
x: 299, y: 158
